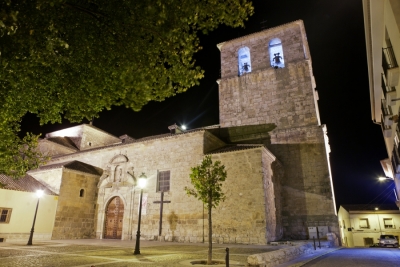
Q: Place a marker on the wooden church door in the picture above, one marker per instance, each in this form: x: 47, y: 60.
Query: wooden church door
x: 114, y: 218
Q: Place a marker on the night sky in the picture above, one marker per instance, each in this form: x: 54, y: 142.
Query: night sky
x: 335, y: 32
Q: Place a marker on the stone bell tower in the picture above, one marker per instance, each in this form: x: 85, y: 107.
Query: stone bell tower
x: 267, y: 79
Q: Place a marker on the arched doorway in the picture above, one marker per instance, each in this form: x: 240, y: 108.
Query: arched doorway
x: 114, y: 219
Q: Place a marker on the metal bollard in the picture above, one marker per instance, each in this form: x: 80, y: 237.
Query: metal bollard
x: 315, y: 248
x: 227, y: 257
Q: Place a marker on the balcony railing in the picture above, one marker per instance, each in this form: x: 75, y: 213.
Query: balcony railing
x: 386, y: 110
x: 387, y: 129
x: 389, y: 65
x: 396, y: 159
x: 388, y: 59
x: 388, y: 91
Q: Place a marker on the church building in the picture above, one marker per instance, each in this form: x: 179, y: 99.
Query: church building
x: 269, y: 139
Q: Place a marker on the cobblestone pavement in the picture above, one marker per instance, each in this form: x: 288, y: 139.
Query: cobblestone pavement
x: 80, y: 254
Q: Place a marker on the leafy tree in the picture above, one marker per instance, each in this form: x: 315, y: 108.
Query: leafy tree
x: 75, y: 58
x: 207, y: 180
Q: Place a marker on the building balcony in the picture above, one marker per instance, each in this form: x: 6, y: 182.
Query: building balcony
x: 389, y: 92
x: 387, y: 114
x: 395, y: 160
x: 387, y: 129
x: 389, y: 64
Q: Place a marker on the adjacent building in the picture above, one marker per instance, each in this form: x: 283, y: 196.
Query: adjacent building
x: 382, y: 32
x: 362, y: 225
x: 17, y: 208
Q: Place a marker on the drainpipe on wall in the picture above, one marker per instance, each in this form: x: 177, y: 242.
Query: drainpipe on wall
x: 379, y: 224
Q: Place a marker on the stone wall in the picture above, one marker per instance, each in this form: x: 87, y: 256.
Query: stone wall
x: 176, y: 153
x: 240, y: 219
x: 248, y: 211
x: 306, y: 188
x: 284, y: 97
x: 272, y: 173
x: 75, y: 215
x: 294, y: 43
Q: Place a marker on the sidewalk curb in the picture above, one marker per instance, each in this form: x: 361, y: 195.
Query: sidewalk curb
x: 299, y: 264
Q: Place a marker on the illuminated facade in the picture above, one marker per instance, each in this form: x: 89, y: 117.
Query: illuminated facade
x: 270, y: 140
x: 382, y: 31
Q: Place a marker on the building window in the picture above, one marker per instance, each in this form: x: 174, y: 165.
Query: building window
x: 364, y: 223
x: 368, y: 241
x: 244, y: 61
x: 5, y: 214
x: 82, y: 193
x: 276, y: 53
x: 163, y: 181
x: 388, y: 223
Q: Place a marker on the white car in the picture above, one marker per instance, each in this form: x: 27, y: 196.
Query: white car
x: 388, y: 241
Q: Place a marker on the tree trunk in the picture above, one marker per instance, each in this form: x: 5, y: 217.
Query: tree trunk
x: 209, y: 259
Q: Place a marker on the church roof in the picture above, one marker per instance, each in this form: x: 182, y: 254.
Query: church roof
x: 26, y: 184
x: 73, y: 165
x: 231, y: 148
x: 64, y: 141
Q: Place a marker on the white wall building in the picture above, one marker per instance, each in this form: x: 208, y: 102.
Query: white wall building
x: 382, y: 24
x: 17, y: 209
x: 361, y: 225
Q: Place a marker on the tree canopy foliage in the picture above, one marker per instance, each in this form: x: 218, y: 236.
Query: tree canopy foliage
x: 74, y: 58
x: 207, y: 180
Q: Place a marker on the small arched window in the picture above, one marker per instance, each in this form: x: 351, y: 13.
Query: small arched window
x: 276, y: 53
x: 82, y: 193
x: 244, y: 61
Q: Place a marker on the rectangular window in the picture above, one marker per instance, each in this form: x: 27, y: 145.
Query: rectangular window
x: 163, y: 181
x: 388, y: 223
x: 5, y: 214
x: 364, y: 223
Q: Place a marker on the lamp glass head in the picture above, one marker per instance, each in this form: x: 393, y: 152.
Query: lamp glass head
x: 142, y: 181
x: 39, y: 193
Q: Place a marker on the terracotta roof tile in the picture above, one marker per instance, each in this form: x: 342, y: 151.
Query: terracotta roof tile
x: 73, y: 165
x: 26, y: 184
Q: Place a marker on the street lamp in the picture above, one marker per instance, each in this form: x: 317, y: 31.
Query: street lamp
x: 389, y: 178
x: 39, y: 194
x: 385, y: 178
x: 142, y: 184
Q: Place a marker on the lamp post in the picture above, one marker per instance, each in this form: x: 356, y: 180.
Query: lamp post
x: 39, y: 194
x: 142, y: 184
x: 381, y: 179
x: 384, y: 178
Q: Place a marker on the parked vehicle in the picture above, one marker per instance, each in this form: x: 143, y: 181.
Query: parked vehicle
x: 388, y: 241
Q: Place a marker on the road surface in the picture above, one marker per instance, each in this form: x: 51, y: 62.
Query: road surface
x: 363, y: 257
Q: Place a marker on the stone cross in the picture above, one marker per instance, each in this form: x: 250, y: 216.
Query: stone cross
x: 161, y: 210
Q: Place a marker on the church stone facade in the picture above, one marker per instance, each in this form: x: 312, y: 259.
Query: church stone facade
x: 270, y: 140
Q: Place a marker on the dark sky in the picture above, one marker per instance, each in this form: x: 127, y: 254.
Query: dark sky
x: 335, y: 32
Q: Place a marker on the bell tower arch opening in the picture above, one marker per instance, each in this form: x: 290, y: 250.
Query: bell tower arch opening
x: 276, y: 53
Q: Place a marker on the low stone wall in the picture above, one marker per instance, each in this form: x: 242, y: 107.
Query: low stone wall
x: 274, y: 258
x: 23, y: 237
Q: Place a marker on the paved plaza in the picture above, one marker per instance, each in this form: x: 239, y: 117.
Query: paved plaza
x: 116, y: 253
